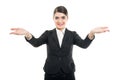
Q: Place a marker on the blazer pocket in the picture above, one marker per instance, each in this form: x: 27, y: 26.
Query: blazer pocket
x: 72, y: 65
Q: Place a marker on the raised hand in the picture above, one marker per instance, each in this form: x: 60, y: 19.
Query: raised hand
x: 19, y: 31
x: 100, y: 30
x: 97, y: 30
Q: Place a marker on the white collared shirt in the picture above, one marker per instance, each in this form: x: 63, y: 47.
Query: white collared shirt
x: 60, y: 35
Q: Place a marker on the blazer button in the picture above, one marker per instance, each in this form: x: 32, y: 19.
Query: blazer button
x: 59, y: 58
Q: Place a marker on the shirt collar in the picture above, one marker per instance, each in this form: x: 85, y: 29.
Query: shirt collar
x: 63, y: 31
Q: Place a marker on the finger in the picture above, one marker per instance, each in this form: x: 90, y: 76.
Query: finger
x: 14, y: 33
x: 104, y: 27
x: 14, y: 28
x: 107, y: 31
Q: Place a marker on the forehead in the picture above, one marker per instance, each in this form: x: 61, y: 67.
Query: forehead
x: 58, y: 14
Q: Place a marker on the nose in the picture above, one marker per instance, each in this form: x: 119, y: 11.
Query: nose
x: 60, y: 20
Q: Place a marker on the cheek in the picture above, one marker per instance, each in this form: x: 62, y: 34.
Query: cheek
x: 55, y: 21
x: 64, y: 21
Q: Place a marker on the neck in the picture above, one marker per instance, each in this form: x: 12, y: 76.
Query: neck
x: 60, y: 29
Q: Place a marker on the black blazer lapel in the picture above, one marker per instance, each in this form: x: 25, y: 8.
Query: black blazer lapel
x: 54, y: 35
x: 65, y: 38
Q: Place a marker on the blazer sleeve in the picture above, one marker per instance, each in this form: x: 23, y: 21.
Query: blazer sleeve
x: 83, y: 43
x: 38, y: 41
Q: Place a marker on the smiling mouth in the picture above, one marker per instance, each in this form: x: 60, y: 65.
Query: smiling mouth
x: 60, y: 24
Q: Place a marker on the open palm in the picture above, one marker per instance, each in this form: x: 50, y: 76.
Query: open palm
x: 18, y: 31
x: 100, y: 30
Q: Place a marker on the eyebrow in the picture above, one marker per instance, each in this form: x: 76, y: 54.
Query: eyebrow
x: 59, y: 17
x: 63, y: 17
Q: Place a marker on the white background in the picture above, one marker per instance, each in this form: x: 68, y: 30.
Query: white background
x: 21, y: 61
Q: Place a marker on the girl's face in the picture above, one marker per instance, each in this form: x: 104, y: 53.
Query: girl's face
x: 60, y: 20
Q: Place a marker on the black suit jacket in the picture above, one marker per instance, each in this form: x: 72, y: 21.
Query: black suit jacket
x: 59, y: 57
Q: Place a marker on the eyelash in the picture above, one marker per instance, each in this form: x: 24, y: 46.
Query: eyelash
x: 58, y: 17
x: 63, y: 17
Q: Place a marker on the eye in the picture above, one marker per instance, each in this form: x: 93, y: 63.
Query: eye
x: 56, y: 17
x: 63, y: 17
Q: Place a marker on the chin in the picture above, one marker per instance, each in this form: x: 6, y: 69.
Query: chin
x: 60, y: 27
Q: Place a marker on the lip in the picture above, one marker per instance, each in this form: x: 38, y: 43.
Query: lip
x: 60, y: 24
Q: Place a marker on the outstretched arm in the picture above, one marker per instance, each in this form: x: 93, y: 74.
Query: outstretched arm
x: 29, y: 37
x: 84, y: 43
x: 96, y: 31
x: 21, y: 31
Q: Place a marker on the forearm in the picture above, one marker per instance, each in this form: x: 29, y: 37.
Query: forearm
x: 36, y: 41
x: 83, y: 43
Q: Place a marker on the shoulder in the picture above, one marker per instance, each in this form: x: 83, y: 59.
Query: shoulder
x: 49, y: 31
x: 70, y: 31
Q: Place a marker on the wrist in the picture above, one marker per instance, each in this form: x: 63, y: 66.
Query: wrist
x: 91, y: 35
x: 28, y: 35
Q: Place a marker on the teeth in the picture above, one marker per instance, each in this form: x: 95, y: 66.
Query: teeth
x: 60, y: 24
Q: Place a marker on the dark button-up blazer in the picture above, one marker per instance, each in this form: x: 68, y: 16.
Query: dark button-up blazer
x: 59, y: 57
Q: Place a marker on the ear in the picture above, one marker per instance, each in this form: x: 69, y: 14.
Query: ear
x: 53, y: 17
x: 67, y: 17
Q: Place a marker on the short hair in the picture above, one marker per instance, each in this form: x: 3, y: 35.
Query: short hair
x: 61, y: 9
